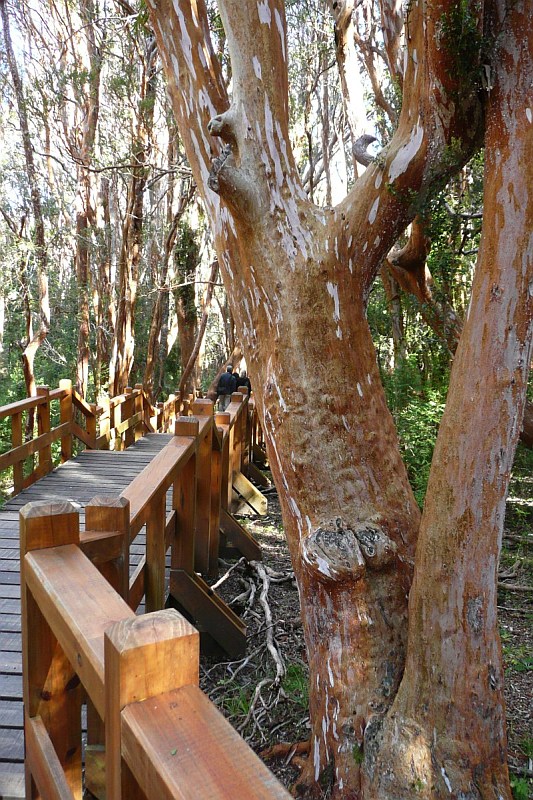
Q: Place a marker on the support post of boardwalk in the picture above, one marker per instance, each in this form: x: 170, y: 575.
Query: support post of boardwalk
x: 203, y: 410
x: 51, y: 688
x: 144, y: 657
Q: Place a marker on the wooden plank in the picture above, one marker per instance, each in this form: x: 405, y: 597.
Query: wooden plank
x: 239, y: 537
x: 45, y: 767
x: 103, y: 514
x: 154, y: 575
x: 43, y: 427
x: 11, y: 714
x: 203, y: 491
x: 42, y: 442
x: 157, y: 476
x: 78, y: 604
x: 178, y: 745
x: 144, y: 656
x: 12, y: 785
x: 136, y: 588
x: 19, y: 406
x: 254, y: 474
x: 16, y: 441
x: 82, y: 435
x: 208, y: 611
x: 183, y: 502
x: 65, y: 417
x: 250, y: 493
x: 50, y: 685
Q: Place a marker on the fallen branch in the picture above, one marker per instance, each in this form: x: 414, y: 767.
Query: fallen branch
x: 514, y: 587
x: 227, y: 574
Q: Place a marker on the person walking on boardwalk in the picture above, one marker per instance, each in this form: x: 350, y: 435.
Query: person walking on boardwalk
x: 244, y: 380
x: 227, y: 384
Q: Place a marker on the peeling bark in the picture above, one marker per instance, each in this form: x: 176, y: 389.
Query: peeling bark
x: 298, y: 277
x: 446, y: 729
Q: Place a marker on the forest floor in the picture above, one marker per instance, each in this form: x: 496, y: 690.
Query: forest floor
x: 267, y: 711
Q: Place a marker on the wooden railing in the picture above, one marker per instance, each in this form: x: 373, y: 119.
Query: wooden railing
x: 150, y: 730
x: 159, y: 734
x: 115, y: 423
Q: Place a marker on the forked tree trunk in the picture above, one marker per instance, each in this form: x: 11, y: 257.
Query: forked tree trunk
x: 446, y: 731
x: 298, y: 277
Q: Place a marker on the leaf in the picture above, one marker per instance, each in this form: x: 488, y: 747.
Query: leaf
x: 174, y: 751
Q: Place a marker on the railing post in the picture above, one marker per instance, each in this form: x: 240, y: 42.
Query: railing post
x: 224, y: 418
x: 66, y: 415
x: 105, y: 514
x: 129, y: 407
x: 184, y: 503
x: 51, y: 689
x: 105, y: 422
x: 203, y: 532
x: 16, y: 441
x: 91, y: 424
x: 139, y: 409
x: 43, y: 427
x: 246, y: 429
x: 144, y: 657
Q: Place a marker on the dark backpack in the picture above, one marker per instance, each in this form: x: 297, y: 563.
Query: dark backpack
x: 225, y: 383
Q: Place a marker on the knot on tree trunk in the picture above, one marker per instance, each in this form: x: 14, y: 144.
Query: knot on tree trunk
x: 216, y: 167
x: 338, y: 552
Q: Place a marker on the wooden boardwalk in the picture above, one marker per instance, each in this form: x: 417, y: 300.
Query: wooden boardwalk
x: 93, y: 472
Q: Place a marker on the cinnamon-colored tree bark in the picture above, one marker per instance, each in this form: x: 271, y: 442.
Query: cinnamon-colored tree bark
x: 298, y: 277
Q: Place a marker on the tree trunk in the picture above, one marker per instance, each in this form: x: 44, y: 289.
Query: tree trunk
x: 34, y: 340
x: 298, y: 277
x: 130, y: 254
x: 446, y: 730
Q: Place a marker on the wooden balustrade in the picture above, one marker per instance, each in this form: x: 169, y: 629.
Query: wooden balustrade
x: 114, y: 423
x: 199, y: 468
x: 160, y: 735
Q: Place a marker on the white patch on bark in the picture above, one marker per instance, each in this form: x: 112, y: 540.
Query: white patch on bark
x: 377, y: 240
x: 257, y: 67
x: 368, y: 379
x: 316, y: 758
x: 201, y: 55
x: 406, y: 153
x: 529, y: 115
x: 265, y: 15
x: 365, y: 246
x: 338, y: 332
x: 379, y: 179
x: 281, y: 32
x: 333, y: 291
x: 186, y: 44
x: 345, y: 423
x: 269, y: 134
x: 373, y: 211
x: 330, y: 673
x: 446, y: 780
x: 359, y: 390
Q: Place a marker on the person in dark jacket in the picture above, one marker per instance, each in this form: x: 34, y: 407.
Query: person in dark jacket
x: 244, y: 380
x: 227, y: 384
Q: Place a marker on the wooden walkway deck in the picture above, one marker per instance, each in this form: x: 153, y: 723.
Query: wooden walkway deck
x: 89, y: 474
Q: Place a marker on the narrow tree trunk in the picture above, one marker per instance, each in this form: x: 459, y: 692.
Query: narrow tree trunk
x: 130, y: 254
x: 34, y: 341
x: 446, y: 730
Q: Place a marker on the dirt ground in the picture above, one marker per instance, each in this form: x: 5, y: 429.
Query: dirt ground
x: 267, y: 713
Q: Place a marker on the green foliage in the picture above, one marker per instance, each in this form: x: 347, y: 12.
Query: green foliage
x: 520, y: 787
x: 461, y: 35
x: 296, y: 684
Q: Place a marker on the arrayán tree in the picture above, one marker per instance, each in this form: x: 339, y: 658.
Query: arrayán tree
x: 399, y: 611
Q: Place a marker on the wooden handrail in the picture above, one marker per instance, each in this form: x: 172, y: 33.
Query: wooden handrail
x: 163, y: 737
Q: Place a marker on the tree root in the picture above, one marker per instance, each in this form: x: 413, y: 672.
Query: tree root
x: 286, y: 750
